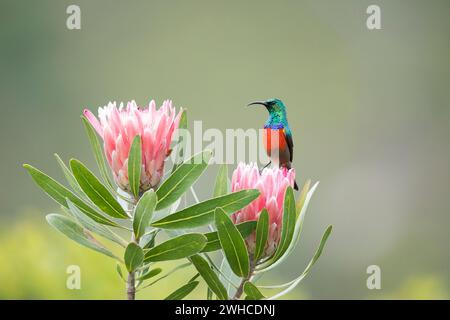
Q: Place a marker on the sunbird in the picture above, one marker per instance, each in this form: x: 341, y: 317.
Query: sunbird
x: 277, y: 134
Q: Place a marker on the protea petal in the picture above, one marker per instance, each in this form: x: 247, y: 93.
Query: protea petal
x: 119, y: 125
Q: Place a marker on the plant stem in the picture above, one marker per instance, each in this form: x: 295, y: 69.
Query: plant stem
x: 131, y: 289
x: 131, y: 281
x: 240, y: 289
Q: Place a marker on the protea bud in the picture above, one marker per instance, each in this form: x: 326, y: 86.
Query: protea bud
x: 272, y: 184
x: 118, y: 127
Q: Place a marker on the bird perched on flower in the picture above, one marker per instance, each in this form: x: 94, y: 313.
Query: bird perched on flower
x: 272, y: 184
x: 119, y: 125
x: 277, y: 135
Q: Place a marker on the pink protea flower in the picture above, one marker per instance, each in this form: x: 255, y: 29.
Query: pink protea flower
x: 272, y: 184
x: 118, y: 127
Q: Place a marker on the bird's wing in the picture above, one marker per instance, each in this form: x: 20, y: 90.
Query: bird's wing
x: 290, y: 144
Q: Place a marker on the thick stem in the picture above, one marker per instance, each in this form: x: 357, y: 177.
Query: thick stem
x: 131, y: 288
x: 240, y: 289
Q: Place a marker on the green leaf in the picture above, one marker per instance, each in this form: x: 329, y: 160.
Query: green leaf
x: 213, y: 244
x: 99, y: 156
x: 148, y: 240
x: 182, y: 292
x: 144, y: 212
x: 302, y: 198
x: 308, y: 268
x: 183, y: 177
x: 262, y: 233
x: 194, y: 277
x: 222, y: 276
x: 176, y: 248
x: 150, y: 274
x: 59, y: 193
x: 252, y: 291
x: 96, y: 191
x: 221, y: 184
x: 301, y: 217
x: 288, y: 224
x: 203, y: 213
x: 72, y: 230
x: 119, y: 271
x: 271, y: 263
x: 210, y: 277
x: 179, y: 267
x: 134, y: 256
x: 70, y: 178
x: 182, y: 140
x: 93, y: 226
x: 134, y: 165
x: 232, y: 244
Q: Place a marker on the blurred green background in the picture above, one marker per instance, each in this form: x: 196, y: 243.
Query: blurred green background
x: 370, y: 112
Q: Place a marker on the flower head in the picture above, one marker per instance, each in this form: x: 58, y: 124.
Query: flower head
x: 272, y: 184
x: 119, y: 126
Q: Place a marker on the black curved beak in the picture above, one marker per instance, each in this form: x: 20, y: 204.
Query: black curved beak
x: 263, y: 103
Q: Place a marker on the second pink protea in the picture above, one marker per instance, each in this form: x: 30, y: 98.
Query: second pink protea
x: 119, y: 125
x: 272, y: 184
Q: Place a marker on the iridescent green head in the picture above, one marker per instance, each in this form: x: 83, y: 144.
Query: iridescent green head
x: 277, y: 112
x: 272, y: 105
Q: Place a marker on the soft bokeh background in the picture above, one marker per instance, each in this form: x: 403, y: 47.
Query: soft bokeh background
x: 370, y: 112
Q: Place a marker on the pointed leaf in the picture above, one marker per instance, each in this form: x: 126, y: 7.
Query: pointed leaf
x: 176, y: 248
x: 210, y: 277
x: 59, y: 193
x: 144, y: 212
x: 179, y: 267
x: 134, y: 256
x: 301, y: 216
x: 288, y: 224
x: 148, y: 240
x: 221, y: 184
x: 96, y: 191
x: 72, y: 230
x: 194, y: 277
x: 119, y: 271
x: 180, y: 181
x: 252, y: 292
x: 203, y: 213
x: 93, y: 226
x: 182, y: 292
x: 269, y: 265
x: 308, y: 268
x: 232, y: 244
x: 134, y: 165
x: 70, y: 178
x: 150, y: 274
x: 302, y: 198
x: 99, y: 156
x: 262, y: 233
x: 213, y: 244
